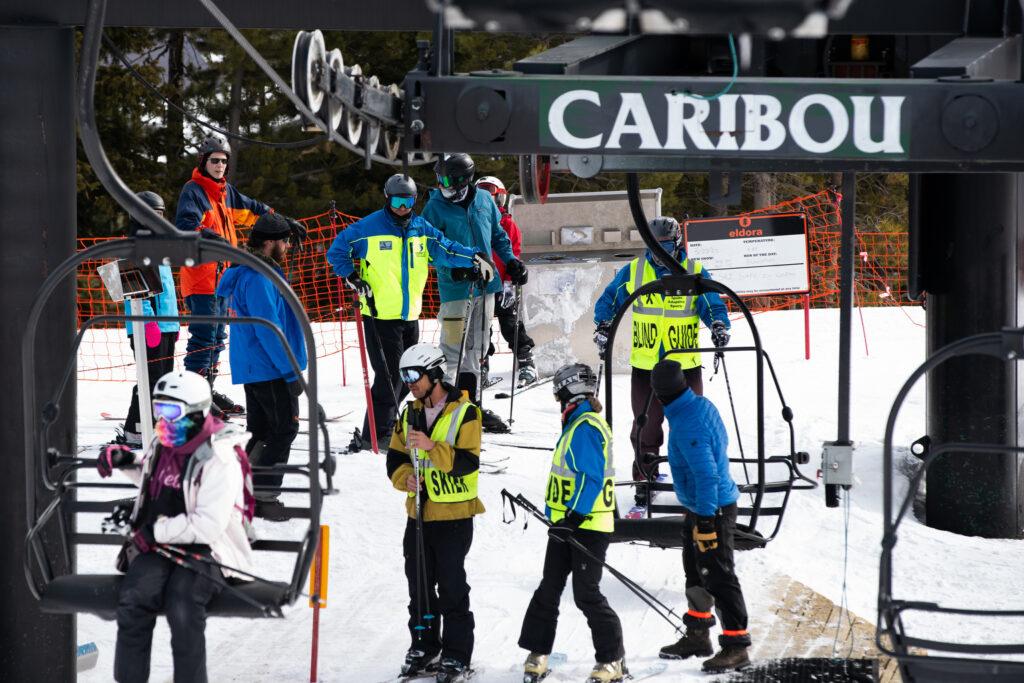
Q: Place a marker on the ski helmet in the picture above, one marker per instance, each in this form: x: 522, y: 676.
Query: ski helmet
x: 495, y: 187
x: 150, y: 199
x: 400, y: 185
x: 208, y: 147
x: 574, y: 382
x: 454, y: 171
x: 426, y: 358
x: 189, y: 389
x: 664, y: 228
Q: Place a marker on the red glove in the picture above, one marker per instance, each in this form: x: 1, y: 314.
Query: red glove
x: 152, y: 335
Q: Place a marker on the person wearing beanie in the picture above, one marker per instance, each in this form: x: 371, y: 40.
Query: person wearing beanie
x: 395, y: 247
x: 698, y: 458
x: 260, y: 363
x: 213, y: 207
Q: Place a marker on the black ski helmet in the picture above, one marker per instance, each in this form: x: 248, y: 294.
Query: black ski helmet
x: 664, y: 228
x: 573, y: 383
x: 209, y: 146
x: 455, y: 171
x: 153, y: 201
x: 400, y: 185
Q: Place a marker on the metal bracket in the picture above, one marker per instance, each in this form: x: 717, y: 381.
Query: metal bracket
x: 837, y: 463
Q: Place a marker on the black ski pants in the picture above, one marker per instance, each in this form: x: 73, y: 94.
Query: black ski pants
x: 159, y: 361
x: 445, y: 546
x: 647, y: 434
x: 386, y: 341
x: 272, y: 417
x: 508, y: 321
x: 153, y: 584
x: 715, y: 571
x: 562, y: 559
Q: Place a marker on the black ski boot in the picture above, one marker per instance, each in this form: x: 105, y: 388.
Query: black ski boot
x: 226, y: 404
x: 492, y: 424
x: 453, y: 671
x: 729, y: 658
x: 419, y: 661
x: 358, y: 443
x: 695, y: 643
x: 270, y: 507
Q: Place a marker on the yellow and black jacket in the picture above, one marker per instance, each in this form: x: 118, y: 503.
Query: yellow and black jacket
x: 450, y: 469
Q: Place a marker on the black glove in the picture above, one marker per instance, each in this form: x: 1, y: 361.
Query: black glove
x: 211, y: 234
x: 360, y: 285
x: 113, y: 457
x: 294, y: 388
x: 563, y: 529
x: 517, y: 272
x: 465, y: 275
x: 719, y: 334
x: 299, y: 232
x: 601, y: 337
x: 705, y: 535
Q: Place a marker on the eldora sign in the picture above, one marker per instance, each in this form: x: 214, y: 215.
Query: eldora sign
x: 658, y: 119
x: 753, y: 255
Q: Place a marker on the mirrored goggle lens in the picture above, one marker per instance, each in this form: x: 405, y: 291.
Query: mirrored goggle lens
x: 402, y: 202
x: 445, y: 181
x: 168, y: 410
x: 410, y: 375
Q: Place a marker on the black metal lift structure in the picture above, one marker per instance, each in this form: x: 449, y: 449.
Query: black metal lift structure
x: 933, y: 89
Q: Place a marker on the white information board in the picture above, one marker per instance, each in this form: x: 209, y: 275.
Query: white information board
x: 753, y: 255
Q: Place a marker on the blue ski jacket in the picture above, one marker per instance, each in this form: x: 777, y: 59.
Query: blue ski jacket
x: 709, y: 306
x: 166, y: 303
x: 698, y: 455
x: 256, y: 355
x: 478, y: 227
x: 585, y: 457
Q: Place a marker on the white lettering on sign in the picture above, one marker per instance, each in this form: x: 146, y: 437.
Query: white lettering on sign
x: 556, y: 119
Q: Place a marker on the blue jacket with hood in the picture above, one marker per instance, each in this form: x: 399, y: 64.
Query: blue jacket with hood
x: 585, y: 457
x: 166, y: 303
x: 698, y: 455
x: 478, y: 227
x: 256, y: 353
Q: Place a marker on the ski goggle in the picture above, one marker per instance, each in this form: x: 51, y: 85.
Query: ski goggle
x: 410, y: 375
x: 402, y: 202
x: 171, y: 411
x: 447, y: 181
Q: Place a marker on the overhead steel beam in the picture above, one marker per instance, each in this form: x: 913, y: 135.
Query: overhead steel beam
x: 972, y: 58
x: 760, y: 124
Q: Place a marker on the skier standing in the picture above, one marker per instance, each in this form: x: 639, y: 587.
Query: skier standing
x: 192, y: 494
x: 506, y: 303
x: 471, y: 218
x: 394, y: 246
x: 697, y: 455
x: 660, y: 324
x: 259, y: 361
x: 441, y: 428
x: 580, y: 501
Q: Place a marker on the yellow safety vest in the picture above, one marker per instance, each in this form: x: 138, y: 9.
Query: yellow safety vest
x: 661, y: 322
x: 396, y: 268
x: 441, y: 486
x: 562, y: 480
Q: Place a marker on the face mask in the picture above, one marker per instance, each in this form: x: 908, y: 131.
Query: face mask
x: 670, y: 247
x: 454, y: 195
x: 175, y: 433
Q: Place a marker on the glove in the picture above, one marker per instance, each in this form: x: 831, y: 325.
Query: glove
x: 517, y: 272
x: 482, y: 265
x: 508, y: 296
x: 152, y: 334
x: 563, y: 529
x: 601, y: 337
x: 464, y: 274
x: 211, y: 234
x: 143, y: 538
x: 719, y: 334
x: 294, y: 388
x: 299, y: 232
x: 705, y: 535
x: 360, y: 285
x: 113, y: 457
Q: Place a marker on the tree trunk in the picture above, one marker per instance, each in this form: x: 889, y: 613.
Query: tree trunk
x: 234, y: 120
x: 765, y: 190
x: 175, y: 143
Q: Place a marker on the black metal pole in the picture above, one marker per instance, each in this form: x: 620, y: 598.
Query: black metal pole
x: 847, y: 248
x: 37, y: 217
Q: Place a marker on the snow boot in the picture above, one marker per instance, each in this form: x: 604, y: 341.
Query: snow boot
x: 696, y: 642
x: 358, y: 443
x: 607, y: 672
x: 270, y: 507
x: 536, y: 668
x: 492, y: 424
x: 527, y: 375
x: 226, y: 404
x: 453, y: 671
x: 419, y: 661
x: 729, y: 658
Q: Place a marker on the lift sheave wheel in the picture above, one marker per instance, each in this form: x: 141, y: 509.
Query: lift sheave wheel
x: 392, y: 136
x: 535, y: 178
x: 308, y: 58
x: 353, y: 123
x: 331, y: 111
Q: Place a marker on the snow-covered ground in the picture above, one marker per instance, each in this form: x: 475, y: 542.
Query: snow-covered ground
x: 363, y: 635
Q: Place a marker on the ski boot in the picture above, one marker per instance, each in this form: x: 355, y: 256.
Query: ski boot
x: 270, y: 507
x: 226, y: 404
x: 527, y: 375
x: 492, y: 424
x: 123, y: 437
x: 729, y: 658
x: 358, y: 443
x: 453, y: 671
x: 696, y: 642
x: 536, y: 668
x: 607, y: 672
x: 418, y: 662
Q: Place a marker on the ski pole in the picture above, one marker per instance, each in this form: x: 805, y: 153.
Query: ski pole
x: 223, y: 567
x: 266, y: 610
x: 485, y: 336
x: 735, y: 421
x: 366, y: 377
x: 515, y: 353
x: 416, y: 420
x: 383, y: 357
x: 660, y: 608
x: 466, y: 318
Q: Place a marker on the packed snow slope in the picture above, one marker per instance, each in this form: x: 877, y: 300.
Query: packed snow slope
x: 363, y: 634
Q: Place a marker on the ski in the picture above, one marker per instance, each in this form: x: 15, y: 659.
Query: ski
x: 491, y: 381
x: 495, y: 461
x: 528, y: 388
x: 649, y: 671
x: 528, y: 447
x: 334, y: 418
x: 86, y: 657
x: 486, y: 468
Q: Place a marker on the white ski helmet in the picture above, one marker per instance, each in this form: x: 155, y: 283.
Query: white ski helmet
x: 187, y: 388
x: 495, y: 187
x: 426, y: 358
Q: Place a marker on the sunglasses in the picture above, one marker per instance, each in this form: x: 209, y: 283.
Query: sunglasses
x: 402, y: 202
x: 170, y: 411
x: 216, y: 161
x: 411, y: 375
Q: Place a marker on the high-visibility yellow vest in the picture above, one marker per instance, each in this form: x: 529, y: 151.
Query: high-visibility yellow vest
x: 662, y: 322
x: 396, y: 268
x: 562, y: 480
x: 441, y: 486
